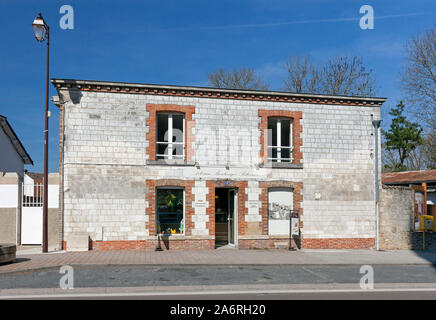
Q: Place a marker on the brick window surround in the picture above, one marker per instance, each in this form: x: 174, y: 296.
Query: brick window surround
x: 152, y: 185
x: 242, y: 198
x: 297, y: 129
x: 297, y: 188
x: 151, y: 122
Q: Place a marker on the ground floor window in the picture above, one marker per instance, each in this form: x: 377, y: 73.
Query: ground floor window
x: 170, y: 211
x: 280, y: 202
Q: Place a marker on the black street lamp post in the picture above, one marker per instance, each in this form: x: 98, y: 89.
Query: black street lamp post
x: 42, y: 32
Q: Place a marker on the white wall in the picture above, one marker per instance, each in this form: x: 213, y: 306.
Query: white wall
x: 10, y: 160
x: 53, y: 196
x: 8, y: 196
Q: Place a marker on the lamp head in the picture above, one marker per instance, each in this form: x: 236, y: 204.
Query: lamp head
x: 40, y: 28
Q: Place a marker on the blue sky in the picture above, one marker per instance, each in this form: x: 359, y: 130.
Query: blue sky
x: 179, y: 42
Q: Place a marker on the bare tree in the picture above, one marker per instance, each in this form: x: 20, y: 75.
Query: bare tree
x: 419, y: 76
x: 419, y: 84
x: 347, y: 76
x: 243, y: 78
x: 303, y: 76
x: 423, y: 157
x: 338, y: 76
x: 389, y: 158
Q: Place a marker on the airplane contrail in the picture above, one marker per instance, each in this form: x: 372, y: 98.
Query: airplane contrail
x: 285, y: 23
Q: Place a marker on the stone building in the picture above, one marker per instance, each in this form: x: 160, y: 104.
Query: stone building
x: 238, y: 164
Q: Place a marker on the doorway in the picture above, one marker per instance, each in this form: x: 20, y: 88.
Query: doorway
x: 225, y: 216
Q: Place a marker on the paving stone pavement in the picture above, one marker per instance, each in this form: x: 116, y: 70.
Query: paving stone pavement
x: 28, y: 259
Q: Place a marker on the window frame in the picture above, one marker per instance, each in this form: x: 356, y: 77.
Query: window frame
x: 170, y: 145
x: 279, y: 145
x: 157, y: 222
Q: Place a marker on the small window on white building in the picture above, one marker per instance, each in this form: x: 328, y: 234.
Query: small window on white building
x: 170, y: 139
x: 279, y: 139
x: 280, y: 204
x: 170, y: 211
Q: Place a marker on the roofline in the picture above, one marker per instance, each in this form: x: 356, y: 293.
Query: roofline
x: 402, y: 172
x: 16, y: 143
x: 397, y: 175
x: 208, y: 92
x: 408, y: 182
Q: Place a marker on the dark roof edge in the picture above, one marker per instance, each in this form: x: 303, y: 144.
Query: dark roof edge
x: 124, y: 87
x: 7, y: 128
x: 409, y: 182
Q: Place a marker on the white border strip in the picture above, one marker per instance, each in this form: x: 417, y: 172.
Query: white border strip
x: 191, y: 293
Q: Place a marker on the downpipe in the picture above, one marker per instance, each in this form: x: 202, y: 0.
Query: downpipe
x: 376, y: 124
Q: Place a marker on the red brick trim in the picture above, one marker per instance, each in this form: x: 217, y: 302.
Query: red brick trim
x: 167, y: 243
x: 118, y: 245
x: 151, y: 198
x: 210, y: 211
x: 297, y: 130
x: 206, y: 244
x: 297, y: 199
x: 339, y: 243
x: 242, y: 198
x: 271, y: 243
x: 151, y: 124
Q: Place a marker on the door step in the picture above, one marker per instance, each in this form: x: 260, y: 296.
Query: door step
x: 281, y: 245
x: 227, y: 246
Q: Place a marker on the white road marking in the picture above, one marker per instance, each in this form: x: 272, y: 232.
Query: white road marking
x: 191, y: 293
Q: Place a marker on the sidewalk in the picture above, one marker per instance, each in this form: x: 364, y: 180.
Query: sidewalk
x: 33, y: 259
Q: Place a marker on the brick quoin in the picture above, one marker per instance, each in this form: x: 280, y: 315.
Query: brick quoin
x: 152, y: 185
x: 210, y: 211
x: 270, y: 243
x: 151, y: 123
x: 297, y: 190
x: 242, y: 198
x: 297, y: 130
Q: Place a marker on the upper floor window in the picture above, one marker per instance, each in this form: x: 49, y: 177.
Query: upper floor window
x: 170, y: 141
x: 280, y: 139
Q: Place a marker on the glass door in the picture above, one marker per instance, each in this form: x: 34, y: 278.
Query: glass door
x: 231, y: 216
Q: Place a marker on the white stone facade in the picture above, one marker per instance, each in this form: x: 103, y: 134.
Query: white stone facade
x: 105, y: 163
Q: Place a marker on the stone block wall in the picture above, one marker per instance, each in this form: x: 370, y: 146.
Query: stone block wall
x: 396, y: 217
x: 105, y: 166
x: 396, y: 221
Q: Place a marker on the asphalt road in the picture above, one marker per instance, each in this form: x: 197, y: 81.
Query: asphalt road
x: 144, y: 276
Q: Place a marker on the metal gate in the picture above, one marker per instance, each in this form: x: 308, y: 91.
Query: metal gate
x: 31, y: 223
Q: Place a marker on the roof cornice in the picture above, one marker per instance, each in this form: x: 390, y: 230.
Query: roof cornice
x: 204, y: 92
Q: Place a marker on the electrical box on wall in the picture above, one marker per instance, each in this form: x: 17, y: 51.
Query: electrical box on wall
x: 426, y: 223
